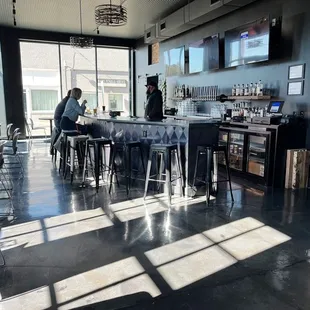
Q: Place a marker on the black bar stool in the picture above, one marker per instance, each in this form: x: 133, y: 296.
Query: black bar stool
x: 75, y: 146
x: 165, y: 151
x: 209, y: 152
x: 124, y: 149
x: 63, y: 138
x: 99, y: 148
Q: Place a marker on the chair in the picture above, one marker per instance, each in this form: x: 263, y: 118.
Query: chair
x: 31, y: 127
x: 14, y: 153
x: 125, y: 149
x: 9, y: 132
x: 3, y: 180
x: 75, y: 146
x: 211, y: 152
x: 100, y: 166
x: 165, y: 151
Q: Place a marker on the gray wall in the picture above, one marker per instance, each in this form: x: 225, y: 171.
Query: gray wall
x: 274, y: 74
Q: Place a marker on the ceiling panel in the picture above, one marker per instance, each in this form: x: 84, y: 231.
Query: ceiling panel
x: 63, y: 15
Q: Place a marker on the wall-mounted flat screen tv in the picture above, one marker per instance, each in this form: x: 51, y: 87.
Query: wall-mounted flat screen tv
x: 204, y: 55
x: 247, y: 44
x: 175, y: 61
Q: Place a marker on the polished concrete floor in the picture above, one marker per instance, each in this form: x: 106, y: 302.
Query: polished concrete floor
x: 67, y: 247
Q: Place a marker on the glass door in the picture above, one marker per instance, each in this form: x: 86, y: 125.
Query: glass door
x: 236, y: 147
x: 256, y: 155
x: 223, y: 141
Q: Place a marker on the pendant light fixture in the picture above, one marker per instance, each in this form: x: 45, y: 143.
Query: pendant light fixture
x: 112, y: 15
x: 81, y: 41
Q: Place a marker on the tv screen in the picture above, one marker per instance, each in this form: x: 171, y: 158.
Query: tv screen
x: 175, y: 61
x: 204, y: 55
x: 247, y: 44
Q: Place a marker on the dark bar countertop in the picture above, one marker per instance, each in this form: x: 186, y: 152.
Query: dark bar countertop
x: 140, y: 120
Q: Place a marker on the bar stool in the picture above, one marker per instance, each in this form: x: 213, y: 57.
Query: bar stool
x: 63, y: 138
x: 75, y: 146
x: 99, y: 146
x: 165, y: 151
x: 211, y: 166
x: 125, y: 150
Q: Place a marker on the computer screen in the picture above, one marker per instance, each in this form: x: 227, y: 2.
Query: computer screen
x: 275, y: 107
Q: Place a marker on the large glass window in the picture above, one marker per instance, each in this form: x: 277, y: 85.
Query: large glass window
x: 78, y: 69
x: 113, y: 79
x: 2, y: 103
x: 50, y: 70
x: 41, y: 82
x: 44, y: 100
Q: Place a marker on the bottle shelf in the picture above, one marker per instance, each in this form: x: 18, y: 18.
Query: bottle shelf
x: 265, y: 97
x: 193, y: 99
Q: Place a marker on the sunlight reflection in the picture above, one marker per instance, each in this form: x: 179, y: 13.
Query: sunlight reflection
x: 136, y: 208
x: 19, y: 229
x: 254, y: 242
x: 37, y: 299
x: 120, y: 278
x: 191, y: 259
x: 57, y: 227
x: 195, y: 267
x: 232, y: 229
x: 178, y: 249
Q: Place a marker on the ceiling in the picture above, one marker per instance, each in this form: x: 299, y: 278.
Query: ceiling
x: 63, y: 15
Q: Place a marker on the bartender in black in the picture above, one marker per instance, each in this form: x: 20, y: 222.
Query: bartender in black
x: 154, y: 106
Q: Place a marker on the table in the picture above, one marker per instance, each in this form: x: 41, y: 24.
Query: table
x: 48, y: 119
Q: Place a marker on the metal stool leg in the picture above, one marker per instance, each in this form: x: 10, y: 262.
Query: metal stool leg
x: 196, y: 167
x: 228, y: 174
x: 97, y: 165
x: 113, y: 168
x: 179, y: 171
x: 208, y: 174
x: 142, y: 160
x: 85, y: 163
x: 168, y: 174
x: 148, y: 171
x: 160, y: 170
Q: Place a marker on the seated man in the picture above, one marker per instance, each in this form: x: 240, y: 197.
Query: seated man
x: 60, y: 110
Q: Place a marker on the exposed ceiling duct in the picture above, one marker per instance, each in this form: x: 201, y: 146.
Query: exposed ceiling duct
x: 192, y: 15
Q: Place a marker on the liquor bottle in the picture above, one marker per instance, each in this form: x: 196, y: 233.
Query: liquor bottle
x: 242, y: 90
x: 255, y: 88
x: 183, y: 91
x: 233, y: 91
x: 187, y: 92
x: 251, y: 89
x: 238, y: 90
x: 246, y: 90
x: 258, y: 88
x: 261, y: 88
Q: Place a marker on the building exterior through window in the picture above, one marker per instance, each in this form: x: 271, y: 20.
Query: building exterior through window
x: 50, y: 70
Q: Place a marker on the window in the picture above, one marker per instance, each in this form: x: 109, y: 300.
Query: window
x: 78, y: 69
x: 116, y: 102
x: 50, y: 70
x: 41, y: 82
x: 91, y: 100
x: 44, y: 100
x: 113, y: 79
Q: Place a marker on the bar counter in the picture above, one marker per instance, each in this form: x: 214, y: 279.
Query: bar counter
x: 187, y: 133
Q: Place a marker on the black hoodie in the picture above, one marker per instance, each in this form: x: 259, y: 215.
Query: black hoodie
x: 154, y: 106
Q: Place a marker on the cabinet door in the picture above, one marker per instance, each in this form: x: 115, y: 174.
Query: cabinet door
x: 257, y: 154
x: 236, y: 150
x: 223, y: 141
